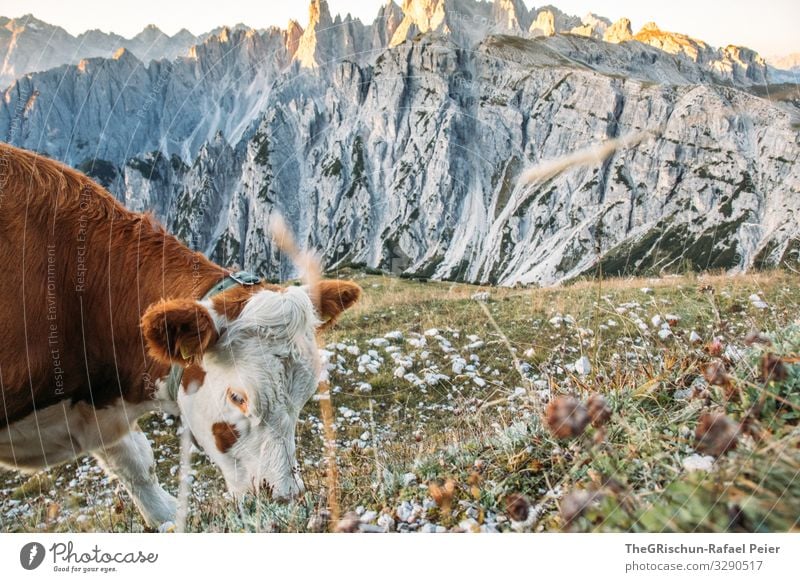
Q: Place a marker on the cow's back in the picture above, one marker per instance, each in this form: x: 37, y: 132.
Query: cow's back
x: 57, y: 233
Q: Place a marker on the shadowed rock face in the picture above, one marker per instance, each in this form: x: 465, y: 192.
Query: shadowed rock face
x: 405, y: 158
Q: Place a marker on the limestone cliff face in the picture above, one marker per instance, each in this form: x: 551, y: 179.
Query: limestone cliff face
x: 406, y: 157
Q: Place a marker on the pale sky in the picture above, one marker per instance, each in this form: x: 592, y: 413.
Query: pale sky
x: 769, y: 26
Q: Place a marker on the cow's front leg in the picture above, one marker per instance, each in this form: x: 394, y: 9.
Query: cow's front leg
x: 131, y: 460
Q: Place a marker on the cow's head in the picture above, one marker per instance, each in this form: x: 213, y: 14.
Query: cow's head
x: 250, y: 362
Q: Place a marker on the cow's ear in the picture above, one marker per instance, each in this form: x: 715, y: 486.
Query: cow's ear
x: 334, y: 297
x: 178, y: 331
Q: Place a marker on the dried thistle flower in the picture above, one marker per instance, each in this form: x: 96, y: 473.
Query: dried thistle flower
x: 714, y: 348
x: 517, y: 507
x: 598, y: 409
x: 756, y: 337
x: 442, y: 495
x: 348, y: 523
x: 53, y: 510
x: 566, y: 417
x: 474, y: 480
x: 773, y: 368
x: 716, y: 375
x: 576, y: 503
x: 716, y: 434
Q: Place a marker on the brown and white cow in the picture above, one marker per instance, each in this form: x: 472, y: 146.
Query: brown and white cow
x: 99, y: 302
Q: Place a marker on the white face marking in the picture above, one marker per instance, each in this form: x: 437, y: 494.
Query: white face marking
x: 258, y: 376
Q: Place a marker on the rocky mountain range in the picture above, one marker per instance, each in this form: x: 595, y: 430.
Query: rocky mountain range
x: 28, y: 45
x: 397, y: 144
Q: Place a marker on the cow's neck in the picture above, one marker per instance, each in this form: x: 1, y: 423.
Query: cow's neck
x: 163, y: 268
x: 184, y: 274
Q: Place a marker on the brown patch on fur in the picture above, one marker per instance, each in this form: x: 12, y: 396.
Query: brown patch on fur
x: 193, y: 373
x: 231, y: 302
x: 225, y: 435
x: 108, y: 265
x: 335, y: 296
x: 178, y: 330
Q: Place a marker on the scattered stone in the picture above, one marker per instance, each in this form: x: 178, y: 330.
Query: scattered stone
x: 482, y: 296
x: 583, y: 366
x: 757, y: 302
x: 469, y: 526
x: 695, y: 337
x: 409, y: 479
x: 319, y: 522
x: 386, y: 522
x: 405, y: 511
x: 697, y: 462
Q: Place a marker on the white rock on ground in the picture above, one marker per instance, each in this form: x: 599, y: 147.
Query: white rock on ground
x: 583, y: 366
x: 697, y: 462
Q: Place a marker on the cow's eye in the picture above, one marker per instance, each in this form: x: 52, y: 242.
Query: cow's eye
x: 238, y: 399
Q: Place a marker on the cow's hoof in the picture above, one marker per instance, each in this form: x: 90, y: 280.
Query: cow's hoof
x: 168, y: 527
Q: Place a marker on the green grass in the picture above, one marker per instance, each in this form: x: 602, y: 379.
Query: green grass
x: 488, y: 438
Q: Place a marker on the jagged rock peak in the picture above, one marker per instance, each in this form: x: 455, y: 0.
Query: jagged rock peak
x: 309, y: 52
x: 149, y: 32
x: 293, y: 34
x: 121, y: 53
x: 592, y: 26
x: 510, y: 15
x: 544, y: 25
x: 419, y: 16
x: 550, y: 20
x: 389, y: 17
x: 618, y: 32
x: 319, y: 13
